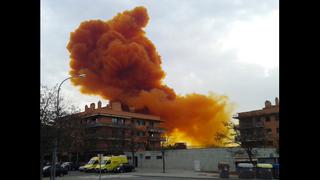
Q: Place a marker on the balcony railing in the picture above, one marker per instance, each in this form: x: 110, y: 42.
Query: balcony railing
x: 251, y: 138
x: 251, y: 125
x: 105, y: 137
x: 156, y: 139
x: 109, y: 125
x: 259, y: 124
x: 156, y: 129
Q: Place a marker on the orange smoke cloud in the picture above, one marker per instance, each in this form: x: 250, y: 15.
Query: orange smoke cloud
x: 122, y: 64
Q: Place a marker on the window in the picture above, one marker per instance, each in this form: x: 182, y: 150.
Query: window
x: 141, y: 122
x: 147, y: 157
x: 129, y: 157
x: 151, y: 124
x: 277, y: 117
x: 114, y: 120
x: 268, y: 119
x: 269, y: 130
x: 117, y: 120
x: 141, y: 145
x: 159, y: 157
x: 278, y: 130
x: 141, y: 133
x: 270, y: 143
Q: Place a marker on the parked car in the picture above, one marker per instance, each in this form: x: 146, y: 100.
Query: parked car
x: 60, y: 171
x: 125, y: 167
x: 64, y: 171
x: 68, y: 165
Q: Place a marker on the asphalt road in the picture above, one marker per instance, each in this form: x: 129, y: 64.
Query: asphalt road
x: 107, y: 176
x: 124, y: 176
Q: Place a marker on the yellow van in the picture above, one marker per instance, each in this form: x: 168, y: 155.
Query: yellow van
x: 110, y: 163
x: 103, y: 164
x: 90, y: 166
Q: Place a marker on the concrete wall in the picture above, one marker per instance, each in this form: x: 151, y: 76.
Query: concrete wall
x: 186, y: 159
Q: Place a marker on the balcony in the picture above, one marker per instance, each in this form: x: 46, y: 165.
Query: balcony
x: 251, y: 125
x: 156, y: 129
x: 156, y: 139
x: 259, y: 124
x: 105, y: 137
x: 254, y: 138
x: 246, y: 126
x: 109, y: 125
x: 140, y: 127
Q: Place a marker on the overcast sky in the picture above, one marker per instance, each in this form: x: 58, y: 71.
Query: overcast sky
x: 229, y: 47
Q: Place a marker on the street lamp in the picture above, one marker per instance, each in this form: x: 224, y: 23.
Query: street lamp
x: 163, y: 154
x: 54, y: 155
x: 79, y: 76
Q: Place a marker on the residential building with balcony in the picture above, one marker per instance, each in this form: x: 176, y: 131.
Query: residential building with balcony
x: 260, y: 128
x: 116, y: 128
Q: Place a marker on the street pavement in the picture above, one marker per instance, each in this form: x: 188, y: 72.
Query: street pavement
x: 143, y: 174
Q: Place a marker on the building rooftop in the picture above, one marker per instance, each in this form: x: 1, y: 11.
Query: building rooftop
x: 268, y: 109
x: 115, y: 109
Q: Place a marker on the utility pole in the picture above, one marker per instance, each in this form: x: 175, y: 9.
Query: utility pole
x: 54, y: 157
x: 163, y: 161
x: 100, y: 159
x: 163, y: 154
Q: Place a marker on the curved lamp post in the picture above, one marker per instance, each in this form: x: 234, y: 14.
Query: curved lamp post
x: 53, y: 167
x: 79, y: 76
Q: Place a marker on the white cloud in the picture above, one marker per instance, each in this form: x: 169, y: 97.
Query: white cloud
x: 256, y: 41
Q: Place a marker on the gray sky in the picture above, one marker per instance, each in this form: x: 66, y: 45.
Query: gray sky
x: 229, y: 47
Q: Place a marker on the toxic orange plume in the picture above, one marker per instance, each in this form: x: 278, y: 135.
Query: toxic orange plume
x: 122, y: 64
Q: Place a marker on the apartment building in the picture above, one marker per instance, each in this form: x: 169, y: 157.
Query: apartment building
x: 117, y: 128
x: 260, y: 128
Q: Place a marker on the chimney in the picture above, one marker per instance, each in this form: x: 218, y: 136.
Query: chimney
x: 277, y: 101
x: 116, y: 106
x: 267, y: 104
x: 99, y: 104
x: 86, y: 108
x: 92, y: 106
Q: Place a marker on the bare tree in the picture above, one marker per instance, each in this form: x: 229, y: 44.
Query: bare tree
x: 133, y: 144
x: 48, y: 116
x: 72, y: 136
x: 235, y: 138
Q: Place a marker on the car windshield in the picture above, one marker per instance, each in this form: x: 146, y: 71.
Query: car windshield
x: 92, y: 161
x: 104, y: 161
